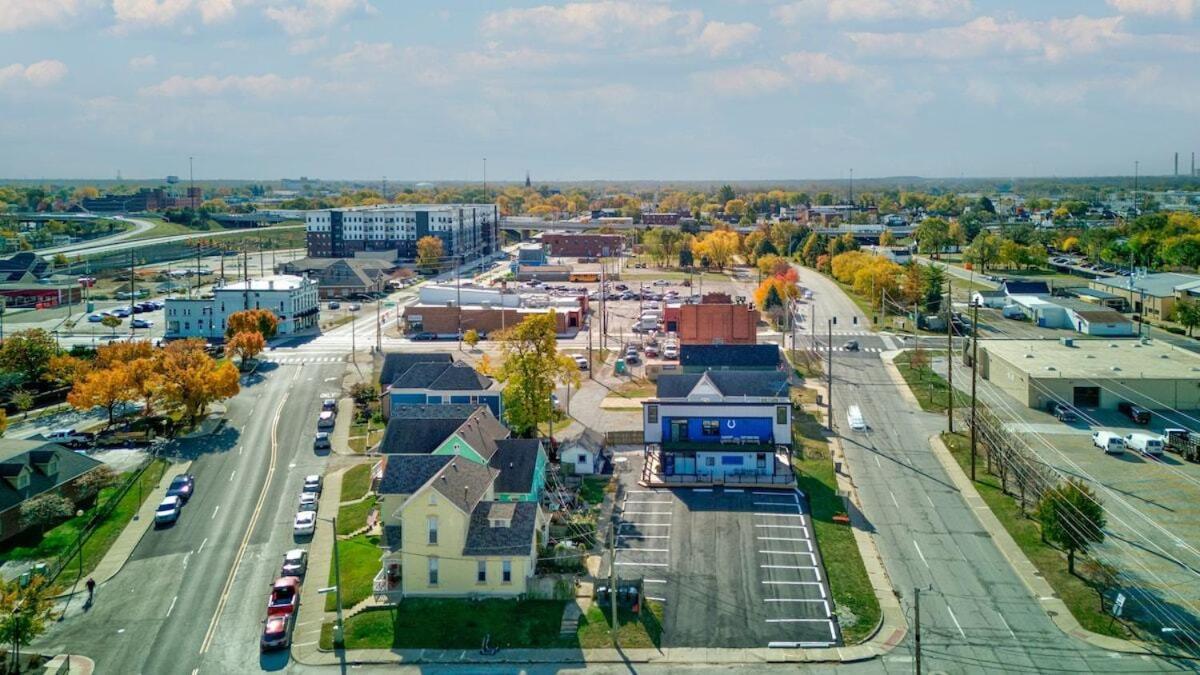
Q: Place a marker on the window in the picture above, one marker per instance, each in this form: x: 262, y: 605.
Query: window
x: 433, y: 498
x: 481, y: 572
x: 433, y: 537
x: 710, y: 427
x: 433, y: 571
x: 652, y: 414
x: 506, y: 572
x: 781, y: 414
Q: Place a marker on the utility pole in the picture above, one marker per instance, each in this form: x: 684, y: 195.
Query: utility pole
x: 974, y: 379
x: 917, y: 625
x: 950, y: 355
x: 132, y: 294
x: 245, y: 277
x: 191, y: 184
x: 612, y: 577
x: 379, y: 322
x: 458, y: 298
x: 829, y: 375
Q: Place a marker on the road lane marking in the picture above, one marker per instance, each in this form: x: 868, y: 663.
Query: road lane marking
x: 232, y: 474
x: 643, y: 536
x: 202, y: 545
x: 877, y: 461
x: 172, y: 607
x: 651, y: 597
x: 788, y: 567
x: 920, y: 554
x: 929, y: 500
x: 646, y: 513
x: 894, y: 498
x: 649, y: 502
x: 646, y: 564
x: 1006, y: 626
x: 258, y: 507
x: 654, y: 581
x: 785, y: 527
x: 214, y: 515
x: 634, y: 524
x: 645, y: 550
x: 781, y: 539
x: 956, y: 623
x: 797, y: 620
x: 703, y: 490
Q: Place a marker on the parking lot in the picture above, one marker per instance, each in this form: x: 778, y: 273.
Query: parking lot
x: 732, y: 567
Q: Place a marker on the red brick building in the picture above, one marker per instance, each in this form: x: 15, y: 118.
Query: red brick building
x: 666, y: 218
x: 568, y: 245
x: 445, y: 320
x: 706, y: 324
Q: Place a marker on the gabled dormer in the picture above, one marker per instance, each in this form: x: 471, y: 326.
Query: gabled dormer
x: 705, y: 390
x: 45, y: 461
x: 16, y: 474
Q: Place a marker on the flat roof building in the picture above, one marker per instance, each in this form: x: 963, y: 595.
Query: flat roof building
x: 1092, y: 373
x: 469, y: 231
x: 292, y: 299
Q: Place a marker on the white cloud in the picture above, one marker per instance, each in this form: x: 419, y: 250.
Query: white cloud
x: 1183, y: 9
x: 596, y: 23
x: 523, y: 58
x: 364, y: 54
x: 871, y: 10
x: 1057, y: 93
x: 742, y: 81
x: 143, y: 62
x: 1053, y: 39
x: 306, y: 17
x: 18, y: 14
x: 720, y: 38
x: 816, y: 67
x: 158, y: 13
x: 260, y: 86
x: 39, y: 74
x: 987, y: 93
x: 307, y: 45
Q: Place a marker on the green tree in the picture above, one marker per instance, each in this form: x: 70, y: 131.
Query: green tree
x: 471, y: 337
x: 1187, y: 314
x: 28, y: 353
x: 765, y: 247
x: 22, y: 400
x: 24, y: 612
x: 725, y: 194
x: 1072, y: 518
x: 886, y: 238
x: 932, y: 235
x: 824, y: 199
x: 111, y: 322
x: 531, y: 369
x: 983, y: 251
x: 934, y: 279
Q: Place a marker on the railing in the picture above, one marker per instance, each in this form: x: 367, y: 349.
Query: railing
x: 381, y: 585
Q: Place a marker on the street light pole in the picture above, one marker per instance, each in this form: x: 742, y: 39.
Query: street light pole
x: 339, y: 635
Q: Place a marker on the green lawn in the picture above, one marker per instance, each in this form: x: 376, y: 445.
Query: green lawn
x: 359, y: 564
x: 163, y: 228
x: 635, y: 631
x: 593, y: 488
x: 858, y: 608
x: 60, y: 538
x: 930, y: 388
x: 1080, y: 593
x: 638, y: 388
x: 356, y: 482
x: 454, y: 624
x: 354, y: 516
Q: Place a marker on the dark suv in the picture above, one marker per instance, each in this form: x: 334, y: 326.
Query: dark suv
x: 1063, y: 412
x: 1134, y: 412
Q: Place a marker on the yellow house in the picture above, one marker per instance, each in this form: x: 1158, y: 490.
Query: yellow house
x: 445, y: 535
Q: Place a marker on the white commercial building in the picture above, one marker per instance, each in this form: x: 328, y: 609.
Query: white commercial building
x: 469, y: 231
x: 292, y: 299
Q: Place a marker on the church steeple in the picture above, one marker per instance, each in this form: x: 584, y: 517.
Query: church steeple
x: 527, y: 183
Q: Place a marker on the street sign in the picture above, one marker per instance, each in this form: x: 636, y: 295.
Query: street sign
x: 389, y: 305
x: 1119, y: 605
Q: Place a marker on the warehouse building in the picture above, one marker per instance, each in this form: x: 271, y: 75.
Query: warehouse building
x: 1150, y: 294
x: 1092, y: 373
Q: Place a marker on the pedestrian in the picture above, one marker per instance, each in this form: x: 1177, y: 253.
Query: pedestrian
x: 91, y: 586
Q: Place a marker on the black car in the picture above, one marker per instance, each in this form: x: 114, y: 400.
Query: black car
x: 1063, y: 412
x: 851, y: 346
x: 182, y: 486
x: 424, y: 337
x: 1134, y: 412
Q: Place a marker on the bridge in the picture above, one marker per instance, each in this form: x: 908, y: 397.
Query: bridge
x: 531, y: 223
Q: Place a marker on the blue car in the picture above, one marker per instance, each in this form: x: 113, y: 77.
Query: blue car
x: 95, y: 318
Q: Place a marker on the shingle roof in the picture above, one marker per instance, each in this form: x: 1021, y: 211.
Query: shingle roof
x: 1026, y: 288
x: 464, y: 482
x: 460, y: 377
x: 516, y: 539
x: 516, y: 459
x: 729, y: 356
x: 15, y: 455
x: 405, y: 474
x: 417, y: 435
x: 436, y: 411
x: 728, y: 382
x: 481, y: 431
x: 395, y: 363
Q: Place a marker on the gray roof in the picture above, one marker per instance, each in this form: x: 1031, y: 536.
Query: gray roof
x: 516, y: 539
x: 481, y: 431
x: 17, y: 455
x: 516, y: 459
x: 464, y: 482
x: 1026, y: 288
x: 436, y: 411
x: 441, y: 376
x: 729, y: 356
x: 728, y: 382
x: 990, y: 293
x: 405, y: 474
x: 395, y: 363
x: 417, y: 435
x: 1159, y: 285
x: 1094, y: 293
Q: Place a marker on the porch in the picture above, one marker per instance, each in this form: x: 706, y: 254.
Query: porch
x: 679, y: 467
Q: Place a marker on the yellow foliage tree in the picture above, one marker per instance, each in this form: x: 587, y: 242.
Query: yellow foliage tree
x: 429, y: 252
x: 718, y: 246
x: 261, y: 321
x: 106, y: 389
x: 245, y: 345
x: 193, y: 378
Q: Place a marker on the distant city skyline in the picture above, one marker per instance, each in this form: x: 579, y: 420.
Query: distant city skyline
x: 609, y: 90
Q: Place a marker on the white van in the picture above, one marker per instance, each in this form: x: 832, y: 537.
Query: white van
x: 1110, y: 443
x: 1147, y: 444
x: 854, y: 417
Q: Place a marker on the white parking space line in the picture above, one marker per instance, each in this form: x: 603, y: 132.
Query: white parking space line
x: 646, y: 513
x: 782, y: 515
x: 785, y: 527
x: 654, y: 581
x: 651, y: 597
x: 643, y: 536
x: 784, y: 504
x: 647, y: 501
x: 640, y: 524
x: 893, y: 494
x: 784, y: 539
x: 702, y: 489
x: 1006, y: 626
x: 788, y: 567
x: 797, y: 620
x: 641, y: 564
x: 644, y: 550
x: 738, y: 491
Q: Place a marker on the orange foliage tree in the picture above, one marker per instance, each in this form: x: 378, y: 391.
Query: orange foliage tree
x: 261, y: 321
x: 105, y: 388
x: 193, y: 379
x: 245, y: 345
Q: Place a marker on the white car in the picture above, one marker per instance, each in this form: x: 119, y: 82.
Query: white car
x: 582, y: 362
x: 308, y: 501
x: 168, y: 510
x: 305, y: 524
x: 670, y: 352
x: 326, y: 419
x: 312, y: 483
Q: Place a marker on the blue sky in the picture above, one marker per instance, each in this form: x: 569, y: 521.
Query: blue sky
x: 614, y: 89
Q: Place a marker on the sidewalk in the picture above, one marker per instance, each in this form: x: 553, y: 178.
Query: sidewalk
x: 1054, y: 607
x: 122, y: 548
x: 320, y: 561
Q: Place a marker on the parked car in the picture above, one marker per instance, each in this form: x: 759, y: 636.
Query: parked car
x: 423, y: 337
x: 95, y: 318
x: 308, y: 501
x: 582, y: 362
x: 333, y: 304
x: 854, y: 418
x: 277, y: 632
x: 70, y: 437
x: 661, y: 282
x: 1110, y: 443
x: 182, y: 486
x: 322, y: 441
x: 1136, y: 413
x: 305, y: 524
x: 631, y: 358
x: 142, y: 323
x: 326, y: 419
x: 1063, y: 412
x: 285, y: 596
x: 168, y: 510
x: 312, y: 483
x: 651, y: 351
x: 295, y: 563
x: 354, y: 307
x: 329, y: 404
x: 670, y: 352
x: 1150, y: 445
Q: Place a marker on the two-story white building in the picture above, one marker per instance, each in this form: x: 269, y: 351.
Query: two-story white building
x: 292, y: 299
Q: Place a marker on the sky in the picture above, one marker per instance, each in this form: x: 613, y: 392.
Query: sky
x: 608, y: 89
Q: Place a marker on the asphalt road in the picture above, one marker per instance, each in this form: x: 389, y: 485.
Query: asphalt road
x: 139, y: 226
x: 976, y: 614
x: 192, y: 596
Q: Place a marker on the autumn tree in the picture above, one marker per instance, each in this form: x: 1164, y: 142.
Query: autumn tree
x: 25, y: 610
x: 107, y: 388
x: 261, y: 321
x: 111, y: 322
x: 193, y: 379
x: 886, y: 238
x: 471, y: 337
x: 64, y: 369
x: 1071, y: 517
x: 122, y: 353
x: 22, y: 400
x: 430, y: 250
x: 245, y: 345
x: 28, y: 353
x: 531, y: 369
x: 718, y: 247
x: 3, y: 421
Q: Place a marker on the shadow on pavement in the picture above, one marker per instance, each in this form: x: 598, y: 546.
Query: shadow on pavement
x: 223, y: 440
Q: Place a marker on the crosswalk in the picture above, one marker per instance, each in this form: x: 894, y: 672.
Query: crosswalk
x: 301, y: 359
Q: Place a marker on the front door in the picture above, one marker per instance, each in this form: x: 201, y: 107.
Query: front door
x: 679, y: 430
